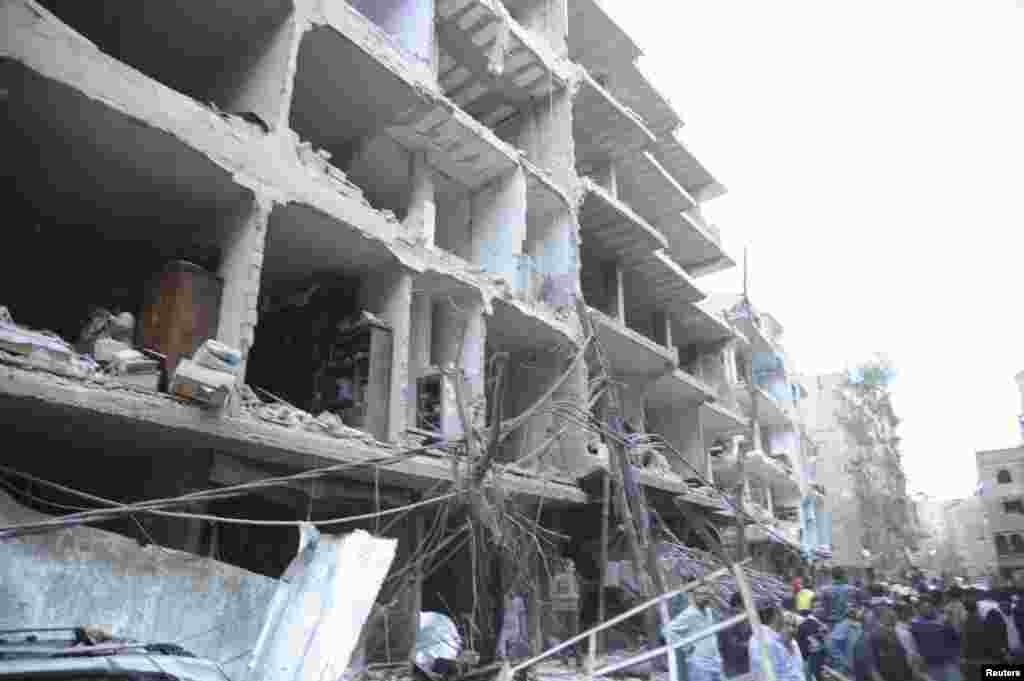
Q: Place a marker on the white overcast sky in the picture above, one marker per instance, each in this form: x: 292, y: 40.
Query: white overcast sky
x: 873, y: 153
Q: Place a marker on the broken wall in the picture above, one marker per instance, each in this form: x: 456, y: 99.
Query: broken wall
x: 83, y: 576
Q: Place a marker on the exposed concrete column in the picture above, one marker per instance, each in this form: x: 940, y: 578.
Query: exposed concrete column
x: 264, y: 80
x: 388, y: 293
x: 681, y: 427
x: 546, y: 137
x: 498, y: 228
x: 421, y: 215
x: 449, y: 322
x: 536, y: 369
x: 662, y: 325
x: 241, y: 268
x: 572, y: 445
x: 615, y: 278
x: 729, y: 361
x: 187, y: 472
x: 632, y: 394
x: 549, y: 19
x: 606, y: 176
x: 708, y: 462
x: 419, y: 348
x: 551, y: 243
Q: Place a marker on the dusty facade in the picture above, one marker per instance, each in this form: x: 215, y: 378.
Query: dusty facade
x: 446, y: 179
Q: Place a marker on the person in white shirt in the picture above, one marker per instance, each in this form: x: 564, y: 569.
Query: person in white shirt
x: 780, y: 648
x: 703, y: 660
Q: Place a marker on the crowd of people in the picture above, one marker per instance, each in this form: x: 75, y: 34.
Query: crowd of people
x: 878, y: 632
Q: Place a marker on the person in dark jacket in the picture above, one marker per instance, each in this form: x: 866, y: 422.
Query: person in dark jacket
x: 937, y: 641
x: 733, y: 643
x: 977, y: 649
x: 811, y: 636
x: 891, y: 660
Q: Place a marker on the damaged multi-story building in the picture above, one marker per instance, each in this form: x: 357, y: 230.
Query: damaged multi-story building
x: 368, y: 201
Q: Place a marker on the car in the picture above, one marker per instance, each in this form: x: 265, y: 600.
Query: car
x: 76, y: 654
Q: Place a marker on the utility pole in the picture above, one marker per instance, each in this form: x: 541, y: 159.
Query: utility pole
x: 741, y: 533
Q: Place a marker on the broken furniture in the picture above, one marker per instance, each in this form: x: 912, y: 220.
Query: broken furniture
x: 41, y: 349
x: 181, y: 310
x: 210, y: 376
x: 195, y: 382
x: 131, y: 367
x: 356, y: 375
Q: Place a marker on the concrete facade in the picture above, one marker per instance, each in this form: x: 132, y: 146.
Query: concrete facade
x: 835, y: 448
x: 462, y: 170
x: 1001, y: 482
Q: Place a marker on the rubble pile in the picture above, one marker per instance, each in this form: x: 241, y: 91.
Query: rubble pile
x: 686, y: 564
x: 327, y: 423
x: 41, y: 350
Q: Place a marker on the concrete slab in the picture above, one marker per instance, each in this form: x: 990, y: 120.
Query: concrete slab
x: 678, y: 388
x: 406, y: 101
x: 596, y: 39
x: 684, y: 166
x: 656, y: 480
x: 720, y: 421
x: 631, y: 86
x: 694, y: 244
x: 613, y: 230
x: 770, y: 411
x: 711, y: 502
x: 659, y: 282
x: 696, y: 324
x: 651, y: 191
x: 764, y: 468
x: 46, y: 57
x: 38, y: 399
x: 602, y: 127
x: 630, y: 353
x: 518, y: 325
x: 489, y: 64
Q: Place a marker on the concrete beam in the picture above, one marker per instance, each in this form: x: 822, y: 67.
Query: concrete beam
x: 229, y: 470
x: 31, y: 394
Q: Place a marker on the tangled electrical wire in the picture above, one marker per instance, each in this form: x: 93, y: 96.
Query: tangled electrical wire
x: 157, y: 506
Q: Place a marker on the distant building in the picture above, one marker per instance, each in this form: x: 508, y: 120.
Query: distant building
x: 1001, y: 490
x: 870, y: 515
x: 1001, y: 483
x: 967, y: 550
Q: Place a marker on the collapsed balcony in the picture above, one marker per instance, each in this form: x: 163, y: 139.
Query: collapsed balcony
x: 235, y: 55
x: 395, y: 143
x: 489, y: 65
